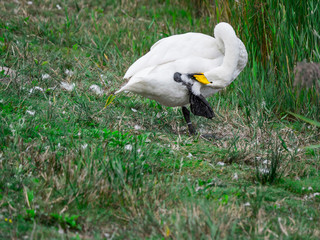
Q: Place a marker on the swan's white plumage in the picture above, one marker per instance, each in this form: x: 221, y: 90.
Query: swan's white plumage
x: 176, y: 47
x: 221, y: 59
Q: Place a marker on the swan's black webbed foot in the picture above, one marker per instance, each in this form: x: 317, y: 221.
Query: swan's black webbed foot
x: 209, y: 136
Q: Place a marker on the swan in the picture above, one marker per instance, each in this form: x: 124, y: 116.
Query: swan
x: 186, y: 68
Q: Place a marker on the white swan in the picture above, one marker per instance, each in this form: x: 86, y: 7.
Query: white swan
x: 187, y: 68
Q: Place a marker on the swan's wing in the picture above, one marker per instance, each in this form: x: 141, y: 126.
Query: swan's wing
x: 177, y: 47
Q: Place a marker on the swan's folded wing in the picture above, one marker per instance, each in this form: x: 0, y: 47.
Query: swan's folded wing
x: 177, y: 47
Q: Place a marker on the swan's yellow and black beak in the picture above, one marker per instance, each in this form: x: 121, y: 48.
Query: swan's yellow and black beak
x: 200, y: 77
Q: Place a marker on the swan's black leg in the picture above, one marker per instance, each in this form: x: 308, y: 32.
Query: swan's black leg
x: 186, y: 114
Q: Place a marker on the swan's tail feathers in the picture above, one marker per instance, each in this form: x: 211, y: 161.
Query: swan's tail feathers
x: 120, y: 90
x: 124, y: 87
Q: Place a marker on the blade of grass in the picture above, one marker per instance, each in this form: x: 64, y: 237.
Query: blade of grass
x: 307, y: 120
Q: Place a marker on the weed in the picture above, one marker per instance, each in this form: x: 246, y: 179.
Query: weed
x: 271, y: 167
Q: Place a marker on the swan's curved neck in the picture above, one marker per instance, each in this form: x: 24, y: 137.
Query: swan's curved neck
x: 229, y: 44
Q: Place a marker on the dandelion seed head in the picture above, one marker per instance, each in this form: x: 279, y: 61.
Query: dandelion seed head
x: 30, y: 112
x: 36, y: 88
x: 137, y: 127
x: 45, y: 76
x: 84, y: 146
x: 235, y: 176
x: 128, y: 147
x: 68, y: 72
x: 96, y: 89
x: 67, y: 86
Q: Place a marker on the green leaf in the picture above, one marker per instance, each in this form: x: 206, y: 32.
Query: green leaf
x: 109, y: 100
x: 26, y: 19
x: 307, y: 120
x: 31, y: 213
x: 283, y: 143
x: 312, y: 147
x: 30, y: 196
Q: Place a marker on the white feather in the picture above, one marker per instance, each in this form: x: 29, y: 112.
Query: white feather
x: 221, y: 59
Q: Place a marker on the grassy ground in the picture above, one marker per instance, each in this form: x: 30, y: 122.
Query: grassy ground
x: 71, y: 168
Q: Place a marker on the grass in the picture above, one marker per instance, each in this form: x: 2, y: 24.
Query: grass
x: 72, y: 168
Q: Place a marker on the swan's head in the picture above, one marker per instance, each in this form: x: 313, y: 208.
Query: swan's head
x: 206, y: 80
x: 217, y: 79
x: 190, y: 78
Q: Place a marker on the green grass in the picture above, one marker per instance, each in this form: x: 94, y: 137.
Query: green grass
x: 72, y: 168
